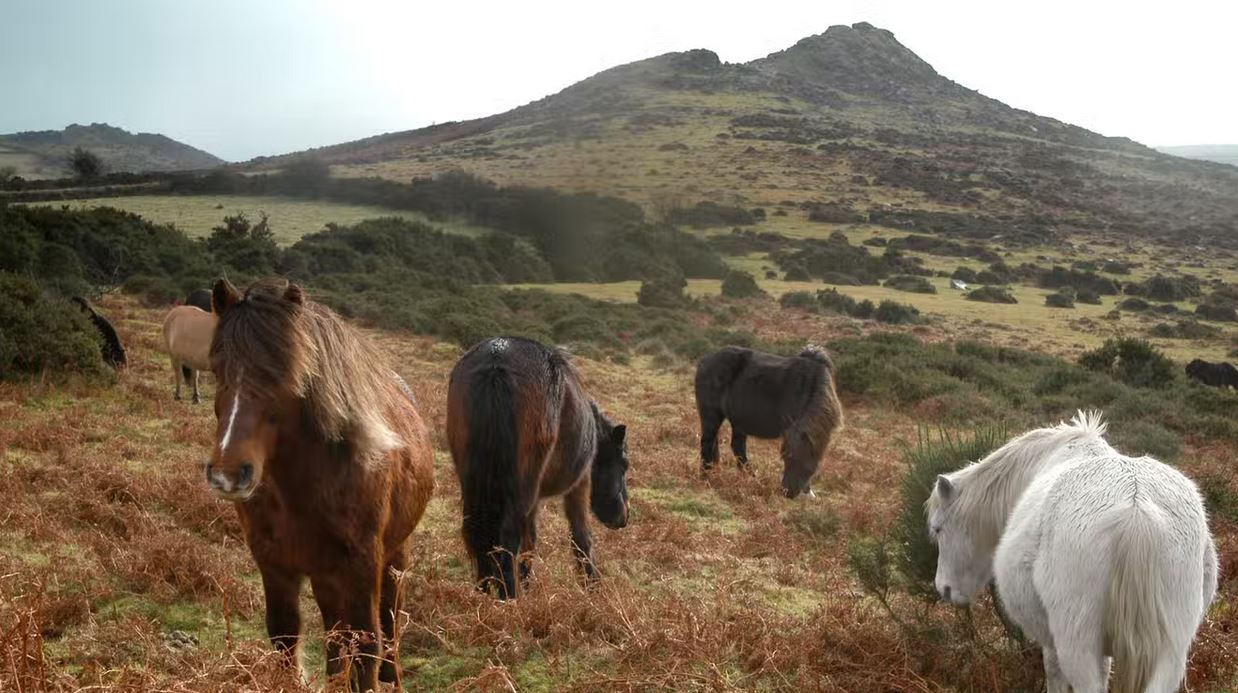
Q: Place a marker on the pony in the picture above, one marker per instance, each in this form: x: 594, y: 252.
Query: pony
x: 769, y: 396
x: 187, y: 334
x: 521, y: 429
x: 199, y: 298
x: 1213, y: 374
x: 1095, y: 555
x: 113, y: 350
x: 328, y: 464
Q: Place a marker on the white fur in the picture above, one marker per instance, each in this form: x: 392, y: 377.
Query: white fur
x: 1095, y: 554
x: 236, y: 406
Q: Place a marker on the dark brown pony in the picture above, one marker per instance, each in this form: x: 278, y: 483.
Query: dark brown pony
x: 328, y: 463
x: 770, y: 396
x: 521, y: 429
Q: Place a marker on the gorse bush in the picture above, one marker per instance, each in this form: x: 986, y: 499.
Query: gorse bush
x: 1132, y: 361
x: 39, y: 335
x: 1061, y: 299
x: 916, y: 558
x: 663, y: 292
x: 991, y: 294
x: 739, y: 284
x: 913, y: 284
x: 243, y: 247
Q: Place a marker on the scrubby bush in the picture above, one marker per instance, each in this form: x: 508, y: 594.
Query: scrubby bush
x: 1184, y: 329
x: 245, y: 248
x: 904, y: 282
x: 1162, y: 288
x: 1061, y: 299
x: 43, y: 335
x: 739, y: 284
x: 965, y: 274
x: 1131, y: 361
x: 1089, y: 297
x: 896, y: 313
x: 1061, y: 277
x: 706, y: 213
x: 802, y: 300
x: 1217, y: 312
x: 840, y: 279
x: 664, y: 292
x: 991, y: 294
x: 916, y: 557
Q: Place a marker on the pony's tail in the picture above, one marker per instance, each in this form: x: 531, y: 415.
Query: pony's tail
x: 1135, y: 620
x: 489, y: 487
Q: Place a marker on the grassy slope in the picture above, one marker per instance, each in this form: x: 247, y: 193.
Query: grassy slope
x: 111, y: 542
x: 290, y: 218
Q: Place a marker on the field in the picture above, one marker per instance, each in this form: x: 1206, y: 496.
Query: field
x: 290, y: 218
x: 118, y: 569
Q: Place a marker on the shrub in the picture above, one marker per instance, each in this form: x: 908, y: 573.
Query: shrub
x: 1061, y: 277
x: 833, y: 301
x: 840, y: 279
x: 991, y: 294
x: 246, y: 248
x: 916, y: 557
x: 1217, y: 312
x: 1137, y: 305
x: 795, y: 272
x: 664, y: 292
x: 1061, y: 299
x: 1184, y: 329
x: 896, y: 313
x: 802, y: 300
x: 965, y: 274
x: 1131, y: 361
x: 38, y: 334
x: 918, y: 285
x: 1146, y: 438
x: 1162, y: 288
x: 708, y: 213
x: 739, y: 284
x: 1089, y: 297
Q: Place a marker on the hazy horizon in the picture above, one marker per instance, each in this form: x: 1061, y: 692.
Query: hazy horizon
x: 241, y: 80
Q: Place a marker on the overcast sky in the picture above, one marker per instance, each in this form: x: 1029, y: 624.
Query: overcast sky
x: 243, y: 78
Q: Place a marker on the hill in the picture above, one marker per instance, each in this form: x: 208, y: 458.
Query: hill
x: 1220, y: 153
x: 44, y: 153
x: 849, y: 118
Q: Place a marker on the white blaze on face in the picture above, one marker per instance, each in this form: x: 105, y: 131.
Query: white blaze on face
x: 236, y: 406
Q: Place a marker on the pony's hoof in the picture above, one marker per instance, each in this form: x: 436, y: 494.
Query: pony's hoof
x: 176, y: 397
x: 197, y: 400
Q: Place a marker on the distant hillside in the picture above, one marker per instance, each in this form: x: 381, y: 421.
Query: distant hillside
x: 1220, y: 153
x: 44, y: 153
x: 850, y: 119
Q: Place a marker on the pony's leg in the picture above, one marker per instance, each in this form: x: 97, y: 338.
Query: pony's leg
x: 1080, y: 651
x: 527, y: 544
x: 196, y: 398
x: 349, y: 599
x: 282, y: 590
x: 739, y: 445
x: 711, y: 421
x: 1055, y: 681
x: 576, y: 507
x: 511, y: 534
x: 176, y: 378
x: 388, y: 612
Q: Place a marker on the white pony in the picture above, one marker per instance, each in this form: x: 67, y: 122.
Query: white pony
x: 1095, y: 554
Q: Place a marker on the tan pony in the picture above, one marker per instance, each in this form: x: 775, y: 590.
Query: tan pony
x: 187, y: 335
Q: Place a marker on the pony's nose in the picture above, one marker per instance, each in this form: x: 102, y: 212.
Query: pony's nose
x: 231, y: 484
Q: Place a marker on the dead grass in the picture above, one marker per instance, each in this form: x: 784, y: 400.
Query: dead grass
x: 110, y: 543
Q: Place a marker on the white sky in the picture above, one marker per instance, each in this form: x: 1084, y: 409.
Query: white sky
x: 242, y: 78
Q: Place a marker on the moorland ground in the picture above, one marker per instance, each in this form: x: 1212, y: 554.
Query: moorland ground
x: 118, y: 568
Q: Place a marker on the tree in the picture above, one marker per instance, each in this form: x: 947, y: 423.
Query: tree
x: 246, y: 248
x: 85, y: 163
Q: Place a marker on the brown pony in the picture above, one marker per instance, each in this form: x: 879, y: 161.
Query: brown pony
x: 328, y: 463
x: 187, y: 334
x: 521, y: 428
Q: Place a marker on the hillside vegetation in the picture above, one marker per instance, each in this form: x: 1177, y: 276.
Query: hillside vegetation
x: 45, y: 153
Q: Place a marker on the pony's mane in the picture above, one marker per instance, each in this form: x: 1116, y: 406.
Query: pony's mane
x: 277, y: 345
x: 990, y: 487
x: 817, y: 353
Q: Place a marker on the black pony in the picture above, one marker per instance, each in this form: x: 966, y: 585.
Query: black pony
x: 199, y: 298
x: 521, y: 428
x: 1213, y: 374
x: 770, y: 396
x: 113, y: 350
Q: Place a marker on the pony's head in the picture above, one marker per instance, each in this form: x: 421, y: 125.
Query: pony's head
x: 608, y: 495
x: 964, y: 559
x: 261, y: 359
x: 1196, y: 368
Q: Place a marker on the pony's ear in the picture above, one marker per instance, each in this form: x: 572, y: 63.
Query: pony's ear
x: 945, y: 488
x: 294, y: 294
x: 619, y: 433
x: 223, y: 296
